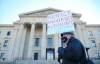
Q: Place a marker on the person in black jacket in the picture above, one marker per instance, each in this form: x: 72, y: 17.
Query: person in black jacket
x: 73, y: 50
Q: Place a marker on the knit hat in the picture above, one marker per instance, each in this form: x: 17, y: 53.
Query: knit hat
x: 71, y: 33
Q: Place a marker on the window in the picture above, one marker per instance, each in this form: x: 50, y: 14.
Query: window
x: 93, y: 43
x: 37, y: 40
x: 5, y: 43
x: 2, y: 56
x: 8, y: 33
x: 90, y: 33
x: 50, y: 42
x: 35, y: 56
x: 50, y: 54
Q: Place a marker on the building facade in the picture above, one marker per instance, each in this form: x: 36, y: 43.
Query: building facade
x: 28, y: 39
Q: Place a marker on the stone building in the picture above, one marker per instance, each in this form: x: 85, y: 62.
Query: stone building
x: 27, y: 38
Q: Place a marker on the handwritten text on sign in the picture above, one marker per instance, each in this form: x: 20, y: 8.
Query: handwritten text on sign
x: 60, y: 22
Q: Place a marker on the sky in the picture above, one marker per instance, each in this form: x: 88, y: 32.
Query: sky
x: 10, y: 9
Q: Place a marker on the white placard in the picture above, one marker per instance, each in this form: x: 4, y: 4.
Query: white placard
x: 60, y: 22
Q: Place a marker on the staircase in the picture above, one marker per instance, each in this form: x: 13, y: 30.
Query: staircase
x: 36, y: 62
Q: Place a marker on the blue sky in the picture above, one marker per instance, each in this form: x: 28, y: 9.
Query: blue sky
x: 10, y: 9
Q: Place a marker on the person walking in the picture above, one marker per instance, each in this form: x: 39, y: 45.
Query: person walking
x: 72, y: 52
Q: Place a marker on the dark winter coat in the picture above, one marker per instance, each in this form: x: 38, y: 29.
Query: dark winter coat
x: 74, y: 53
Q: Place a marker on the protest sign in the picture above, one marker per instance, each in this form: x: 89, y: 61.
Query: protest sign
x: 60, y: 22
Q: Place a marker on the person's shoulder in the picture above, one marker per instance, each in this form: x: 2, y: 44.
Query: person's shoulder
x: 75, y: 39
x: 78, y: 42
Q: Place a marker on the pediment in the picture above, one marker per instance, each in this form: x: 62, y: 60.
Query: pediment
x: 41, y: 12
x: 45, y: 12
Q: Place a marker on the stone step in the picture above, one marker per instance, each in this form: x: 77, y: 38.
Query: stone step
x: 36, y: 62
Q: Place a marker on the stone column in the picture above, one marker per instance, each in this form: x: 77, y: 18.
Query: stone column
x: 31, y: 41
x: 22, y: 42
x: 57, y: 43
x: 16, y: 48
x: 43, y: 43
